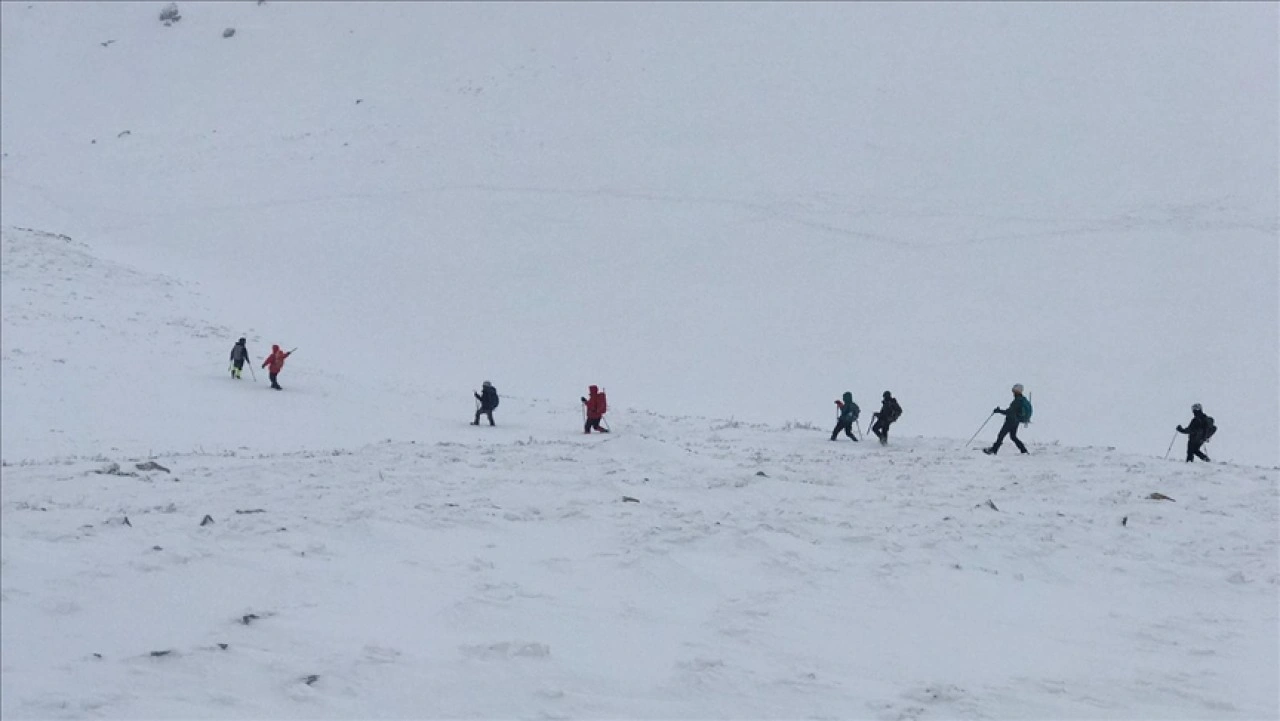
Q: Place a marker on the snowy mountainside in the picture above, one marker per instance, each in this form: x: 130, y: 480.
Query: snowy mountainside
x: 685, y: 569
x: 716, y: 211
x: 728, y: 210
x: 101, y: 357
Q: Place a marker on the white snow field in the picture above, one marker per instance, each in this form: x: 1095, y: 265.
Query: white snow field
x: 726, y: 215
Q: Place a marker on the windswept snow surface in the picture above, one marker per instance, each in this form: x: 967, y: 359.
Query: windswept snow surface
x: 761, y: 573
x: 716, y: 211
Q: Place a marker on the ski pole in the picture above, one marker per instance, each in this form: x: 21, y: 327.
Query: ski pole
x: 1171, y: 442
x: 252, y: 375
x: 984, y: 425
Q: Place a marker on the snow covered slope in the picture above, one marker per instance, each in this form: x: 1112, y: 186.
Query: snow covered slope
x: 733, y: 210
x: 759, y: 573
x: 101, y: 357
x: 726, y: 214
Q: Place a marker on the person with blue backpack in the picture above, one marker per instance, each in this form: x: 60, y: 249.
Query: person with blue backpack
x: 1019, y: 411
x: 846, y: 415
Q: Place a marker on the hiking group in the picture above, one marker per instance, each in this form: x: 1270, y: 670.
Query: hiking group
x: 274, y: 363
x: 594, y: 406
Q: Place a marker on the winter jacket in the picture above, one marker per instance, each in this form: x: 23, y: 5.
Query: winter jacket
x: 595, y: 403
x: 1198, y: 426
x: 846, y: 407
x: 488, y: 398
x: 239, y: 353
x: 1015, y: 411
x: 275, y: 362
x: 890, y: 410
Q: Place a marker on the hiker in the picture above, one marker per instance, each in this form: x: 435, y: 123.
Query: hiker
x: 488, y: 398
x: 274, y: 364
x: 596, y: 407
x: 889, y: 412
x: 1019, y: 411
x: 846, y: 415
x: 239, y: 354
x: 1200, y: 429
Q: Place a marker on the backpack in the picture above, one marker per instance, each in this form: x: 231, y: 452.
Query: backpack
x: 895, y: 412
x: 853, y: 410
x: 604, y: 404
x: 1209, y: 427
x: 493, y: 396
x: 1024, y: 414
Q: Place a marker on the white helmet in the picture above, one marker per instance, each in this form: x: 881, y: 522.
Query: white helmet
x: 1017, y: 387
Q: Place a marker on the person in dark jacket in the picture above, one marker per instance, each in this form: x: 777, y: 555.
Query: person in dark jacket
x: 488, y: 397
x: 1197, y: 433
x: 1018, y: 410
x: 847, y: 413
x: 889, y: 412
x: 597, y: 406
x: 239, y: 356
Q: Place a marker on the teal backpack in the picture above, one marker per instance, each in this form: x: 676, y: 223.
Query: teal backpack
x: 851, y: 409
x: 1024, y: 415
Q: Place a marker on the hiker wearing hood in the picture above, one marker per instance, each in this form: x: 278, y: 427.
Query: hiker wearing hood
x: 1019, y: 411
x: 846, y: 415
x: 889, y: 412
x: 239, y: 355
x: 1199, y: 430
x: 596, y: 407
x: 488, y: 398
x: 274, y: 364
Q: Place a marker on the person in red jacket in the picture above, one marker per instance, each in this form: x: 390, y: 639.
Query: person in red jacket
x: 274, y: 364
x: 596, y: 408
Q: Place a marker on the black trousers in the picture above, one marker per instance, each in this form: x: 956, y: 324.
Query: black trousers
x: 843, y: 425
x: 881, y: 427
x: 593, y: 423
x: 1010, y: 428
x: 484, y: 412
x: 275, y: 385
x: 1193, y: 449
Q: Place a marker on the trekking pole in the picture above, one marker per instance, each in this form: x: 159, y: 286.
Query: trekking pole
x: 252, y: 375
x: 1171, y: 442
x: 984, y: 425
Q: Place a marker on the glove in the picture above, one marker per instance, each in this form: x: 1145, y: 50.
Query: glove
x: 584, y: 400
x: 1181, y: 429
x: 995, y: 410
